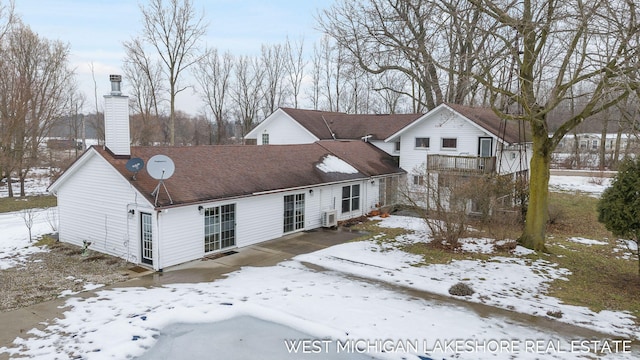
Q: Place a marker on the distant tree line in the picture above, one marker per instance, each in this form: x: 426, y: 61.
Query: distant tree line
x: 36, y: 81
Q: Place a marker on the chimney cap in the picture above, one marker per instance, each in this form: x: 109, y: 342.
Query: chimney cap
x: 115, y: 84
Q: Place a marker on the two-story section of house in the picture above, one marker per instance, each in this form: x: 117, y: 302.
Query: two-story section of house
x: 461, y: 138
x: 453, y: 144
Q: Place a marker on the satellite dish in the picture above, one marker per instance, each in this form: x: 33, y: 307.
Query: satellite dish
x: 134, y: 165
x: 160, y: 167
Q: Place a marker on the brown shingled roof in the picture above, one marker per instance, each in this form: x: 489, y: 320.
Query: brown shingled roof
x: 510, y: 131
x: 350, y: 126
x: 204, y: 173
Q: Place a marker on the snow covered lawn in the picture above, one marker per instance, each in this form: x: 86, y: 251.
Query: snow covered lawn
x: 14, y: 236
x: 341, y: 306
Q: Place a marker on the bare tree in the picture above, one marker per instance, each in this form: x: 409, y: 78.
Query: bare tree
x: 248, y: 92
x: 28, y: 216
x: 390, y: 88
x: 7, y: 17
x: 273, y: 60
x: 316, y: 70
x: 76, y: 118
x: 97, y: 121
x: 213, y: 73
x: 33, y: 95
x: 544, y: 38
x: 295, y: 64
x: 408, y: 37
x: 144, y: 77
x: 174, y: 30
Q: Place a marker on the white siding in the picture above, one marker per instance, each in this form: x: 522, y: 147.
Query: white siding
x: 388, y: 147
x: 93, y: 205
x: 89, y: 212
x: 258, y: 218
x: 510, y: 162
x: 116, y: 124
x: 282, y: 130
x: 438, y: 125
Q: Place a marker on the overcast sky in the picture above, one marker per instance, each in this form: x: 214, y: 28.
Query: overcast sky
x: 96, y: 29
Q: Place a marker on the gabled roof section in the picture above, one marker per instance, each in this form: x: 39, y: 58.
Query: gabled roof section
x: 72, y: 168
x: 209, y: 173
x: 508, y: 131
x: 253, y: 134
x: 326, y: 125
x: 511, y: 132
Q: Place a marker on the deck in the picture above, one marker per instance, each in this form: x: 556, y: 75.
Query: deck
x: 463, y: 164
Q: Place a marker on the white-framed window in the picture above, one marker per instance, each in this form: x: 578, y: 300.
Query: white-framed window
x: 418, y: 180
x: 422, y: 143
x: 293, y: 212
x: 350, y: 198
x: 219, y: 227
x: 449, y: 143
x: 265, y: 139
x: 396, y: 146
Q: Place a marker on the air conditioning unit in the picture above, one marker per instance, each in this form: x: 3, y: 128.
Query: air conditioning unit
x: 329, y: 218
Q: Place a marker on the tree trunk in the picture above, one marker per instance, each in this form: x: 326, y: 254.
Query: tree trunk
x: 533, y: 236
x: 22, y: 190
x: 616, y: 152
x: 9, y: 185
x: 576, y: 149
x: 603, y: 142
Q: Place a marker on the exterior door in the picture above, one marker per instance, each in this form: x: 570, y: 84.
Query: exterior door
x: 485, y: 147
x: 293, y: 212
x: 219, y: 227
x: 146, y: 238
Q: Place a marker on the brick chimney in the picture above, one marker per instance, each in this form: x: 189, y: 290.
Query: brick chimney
x: 116, y: 120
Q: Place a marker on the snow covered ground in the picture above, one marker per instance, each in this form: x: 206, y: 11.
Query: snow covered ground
x: 593, y: 186
x: 36, y: 184
x: 15, y: 247
x: 356, y: 297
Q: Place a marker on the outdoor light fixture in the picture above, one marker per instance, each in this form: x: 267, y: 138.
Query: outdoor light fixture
x: 310, y: 191
x: 131, y: 212
x: 200, y: 209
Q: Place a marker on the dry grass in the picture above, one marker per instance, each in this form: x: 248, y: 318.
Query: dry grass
x: 600, y: 279
x: 28, y: 202
x: 46, y: 275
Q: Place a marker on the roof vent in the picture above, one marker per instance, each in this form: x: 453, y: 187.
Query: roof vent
x: 115, y: 84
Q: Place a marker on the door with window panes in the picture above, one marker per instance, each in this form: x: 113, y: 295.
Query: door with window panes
x: 293, y: 212
x: 146, y: 238
x: 219, y: 227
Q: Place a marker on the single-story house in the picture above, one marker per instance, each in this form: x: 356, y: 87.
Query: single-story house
x: 218, y: 197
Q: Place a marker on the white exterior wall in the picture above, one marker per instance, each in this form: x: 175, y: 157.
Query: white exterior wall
x: 510, y: 162
x: 258, y: 218
x: 438, y: 125
x: 388, y: 147
x: 87, y: 211
x: 116, y: 124
x: 283, y: 130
